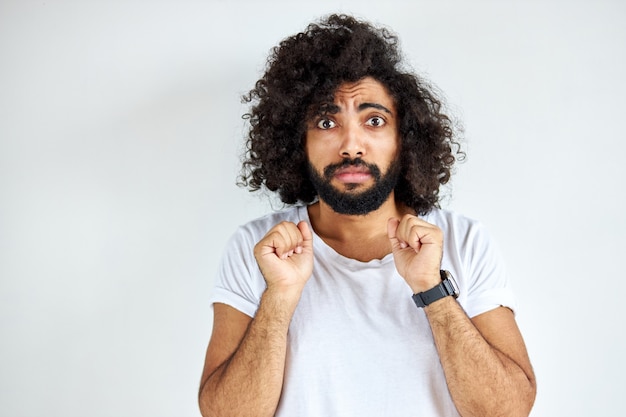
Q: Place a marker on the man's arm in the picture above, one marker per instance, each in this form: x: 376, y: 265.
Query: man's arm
x: 484, y: 359
x: 244, y: 367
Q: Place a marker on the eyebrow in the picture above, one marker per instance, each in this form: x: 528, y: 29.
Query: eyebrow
x: 333, y: 108
x: 364, y: 106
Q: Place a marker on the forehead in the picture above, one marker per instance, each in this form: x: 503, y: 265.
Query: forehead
x: 365, y: 90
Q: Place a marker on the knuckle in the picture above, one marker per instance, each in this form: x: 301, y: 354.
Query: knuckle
x: 289, y: 232
x: 282, y: 226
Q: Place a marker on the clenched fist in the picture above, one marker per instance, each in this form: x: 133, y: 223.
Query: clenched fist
x: 417, y: 251
x: 285, y: 256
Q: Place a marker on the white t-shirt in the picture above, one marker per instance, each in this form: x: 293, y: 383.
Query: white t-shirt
x: 357, y: 344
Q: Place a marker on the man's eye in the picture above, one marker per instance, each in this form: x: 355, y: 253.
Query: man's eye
x: 375, y: 121
x: 325, y: 124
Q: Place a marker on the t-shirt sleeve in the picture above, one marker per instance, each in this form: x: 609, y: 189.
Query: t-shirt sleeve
x: 239, y: 282
x: 487, y: 281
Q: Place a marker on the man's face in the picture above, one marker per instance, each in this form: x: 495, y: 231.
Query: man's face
x: 347, y: 144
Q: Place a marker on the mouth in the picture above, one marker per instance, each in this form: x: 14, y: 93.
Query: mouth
x: 353, y: 174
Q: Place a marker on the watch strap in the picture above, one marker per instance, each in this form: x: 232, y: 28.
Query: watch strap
x: 443, y: 289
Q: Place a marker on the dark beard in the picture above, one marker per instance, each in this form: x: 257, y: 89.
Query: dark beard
x: 358, y: 203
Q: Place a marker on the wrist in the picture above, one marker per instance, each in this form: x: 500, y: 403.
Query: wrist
x: 284, y: 295
x: 425, y: 282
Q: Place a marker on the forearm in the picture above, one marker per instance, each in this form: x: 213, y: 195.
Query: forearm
x: 249, y: 383
x: 481, y: 379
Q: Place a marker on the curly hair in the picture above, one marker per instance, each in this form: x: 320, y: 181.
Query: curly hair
x: 303, y: 72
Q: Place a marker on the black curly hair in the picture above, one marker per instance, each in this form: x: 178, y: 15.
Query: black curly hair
x: 303, y: 72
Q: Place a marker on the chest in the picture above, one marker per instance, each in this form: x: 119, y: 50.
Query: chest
x: 358, y: 316
x: 359, y: 346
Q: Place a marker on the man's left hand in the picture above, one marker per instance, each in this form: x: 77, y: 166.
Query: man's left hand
x: 417, y: 251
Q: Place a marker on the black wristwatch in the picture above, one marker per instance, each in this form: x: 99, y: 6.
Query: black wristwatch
x: 447, y: 287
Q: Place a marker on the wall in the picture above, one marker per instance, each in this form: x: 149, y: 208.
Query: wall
x: 120, y: 135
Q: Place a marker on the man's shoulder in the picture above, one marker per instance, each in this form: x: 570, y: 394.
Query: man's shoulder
x: 264, y: 223
x: 450, y: 219
x: 459, y: 228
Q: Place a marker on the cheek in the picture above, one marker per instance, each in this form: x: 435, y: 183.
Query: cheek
x: 388, y: 148
x: 317, y: 150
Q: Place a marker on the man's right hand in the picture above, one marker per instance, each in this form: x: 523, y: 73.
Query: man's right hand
x: 285, y: 256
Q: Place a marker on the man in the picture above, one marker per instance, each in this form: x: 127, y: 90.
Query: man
x: 347, y: 303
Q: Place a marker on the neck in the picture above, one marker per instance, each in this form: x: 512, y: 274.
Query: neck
x: 361, y: 237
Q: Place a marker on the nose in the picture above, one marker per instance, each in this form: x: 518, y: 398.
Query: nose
x: 352, y: 145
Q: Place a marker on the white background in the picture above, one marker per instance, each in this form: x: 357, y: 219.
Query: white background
x: 120, y: 136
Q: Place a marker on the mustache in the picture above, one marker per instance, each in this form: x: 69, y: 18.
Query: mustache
x: 330, y: 170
